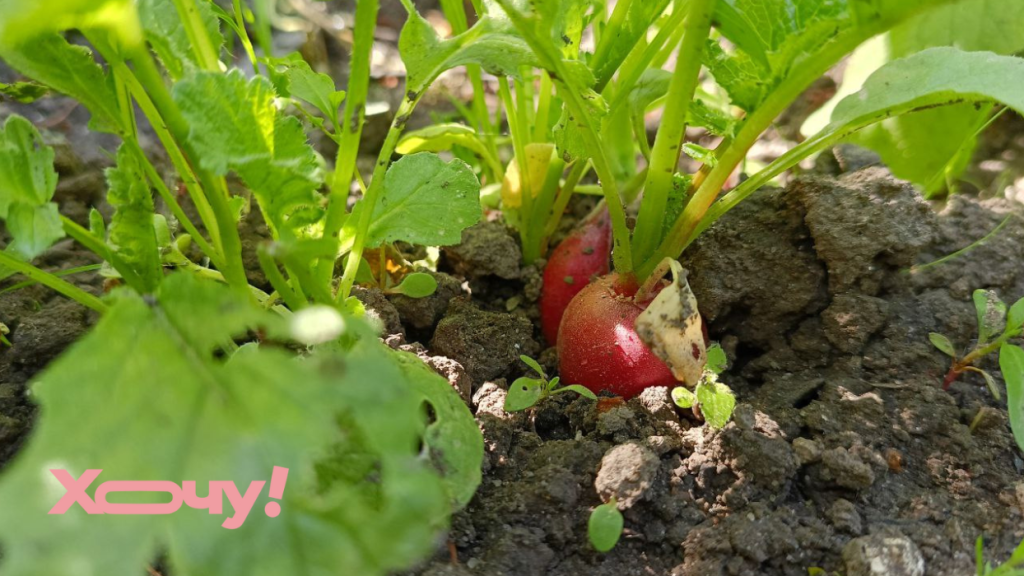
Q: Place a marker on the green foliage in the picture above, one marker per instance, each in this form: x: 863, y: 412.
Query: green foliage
x: 526, y: 392
x: 235, y: 126
x: 605, y: 527
x: 943, y: 344
x: 932, y: 146
x: 27, y: 184
x: 20, y: 21
x: 234, y: 419
x: 132, y: 234
x: 416, y: 285
x: 1014, y: 565
x: 426, y: 201
x: 23, y: 92
x: 1011, y: 362
x: 52, y: 61
x: 169, y: 39
x: 715, y: 400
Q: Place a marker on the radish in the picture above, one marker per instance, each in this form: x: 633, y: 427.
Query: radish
x: 598, y: 346
x: 580, y: 257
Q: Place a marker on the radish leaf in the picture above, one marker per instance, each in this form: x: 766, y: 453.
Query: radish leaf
x: 716, y: 402
x: 426, y: 201
x: 132, y: 234
x: 27, y: 184
x: 605, y: 526
x: 168, y: 38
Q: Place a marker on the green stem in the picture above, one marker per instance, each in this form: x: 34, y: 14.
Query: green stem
x: 579, y: 168
x: 351, y: 128
x: 60, y: 274
x: 671, y: 133
x: 168, y: 114
x: 181, y: 165
x: 172, y: 203
x: 685, y: 227
x: 277, y: 280
x: 99, y: 248
x: 200, y: 41
x: 977, y: 243
x: 243, y: 35
x: 373, y: 193
x: 551, y: 59
x: 515, y: 127
x: 53, y: 282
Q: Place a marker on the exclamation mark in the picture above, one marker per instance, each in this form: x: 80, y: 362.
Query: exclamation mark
x: 277, y: 481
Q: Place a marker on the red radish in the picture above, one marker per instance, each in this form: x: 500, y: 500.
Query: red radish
x: 598, y: 346
x: 580, y: 257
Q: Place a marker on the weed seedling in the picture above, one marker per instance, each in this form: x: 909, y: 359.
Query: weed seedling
x: 1014, y: 566
x: 711, y: 399
x: 997, y: 326
x: 526, y: 392
x: 605, y: 526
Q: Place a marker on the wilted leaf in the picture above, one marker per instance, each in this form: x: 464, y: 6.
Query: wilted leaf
x: 671, y: 328
x: 538, y: 159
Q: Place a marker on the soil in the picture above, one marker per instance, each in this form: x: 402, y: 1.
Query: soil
x: 844, y: 452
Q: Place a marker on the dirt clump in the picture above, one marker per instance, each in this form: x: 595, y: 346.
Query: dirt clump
x: 488, y: 344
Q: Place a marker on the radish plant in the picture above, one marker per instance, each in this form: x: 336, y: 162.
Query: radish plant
x: 762, y: 55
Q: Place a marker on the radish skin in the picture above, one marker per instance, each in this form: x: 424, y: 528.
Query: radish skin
x: 571, y: 265
x: 598, y: 346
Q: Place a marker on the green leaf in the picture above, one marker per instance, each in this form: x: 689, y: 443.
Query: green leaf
x: 639, y: 18
x: 683, y: 397
x: 490, y: 43
x: 932, y: 146
x: 943, y: 344
x: 426, y: 201
x: 523, y: 393
x: 534, y: 365
x: 235, y: 126
x: 718, y: 362
x: 313, y: 87
x: 149, y: 382
x: 991, y: 313
x: 933, y: 77
x: 1011, y: 362
x: 605, y: 527
x: 21, y: 21
x: 23, y: 92
x: 417, y: 285
x: 167, y: 35
x: 97, y: 226
x: 68, y: 69
x: 582, y: 391
x: 27, y: 184
x: 443, y: 137
x: 990, y: 382
x: 716, y: 402
x: 132, y: 233
x: 771, y: 37
x: 700, y: 153
x: 452, y: 436
x: 1015, y: 319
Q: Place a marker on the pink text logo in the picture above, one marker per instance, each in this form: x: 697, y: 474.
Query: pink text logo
x: 184, y: 494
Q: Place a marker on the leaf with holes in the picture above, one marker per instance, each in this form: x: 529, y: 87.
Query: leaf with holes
x: 524, y: 393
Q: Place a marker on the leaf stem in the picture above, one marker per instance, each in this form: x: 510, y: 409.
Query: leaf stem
x: 206, y: 54
x: 53, y: 282
x: 373, y: 193
x: 351, y: 128
x: 672, y: 131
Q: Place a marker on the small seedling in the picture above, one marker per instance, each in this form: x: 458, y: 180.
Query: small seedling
x: 4, y: 331
x: 415, y: 285
x: 996, y: 327
x: 526, y: 392
x: 1014, y: 566
x: 605, y: 526
x: 711, y: 398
